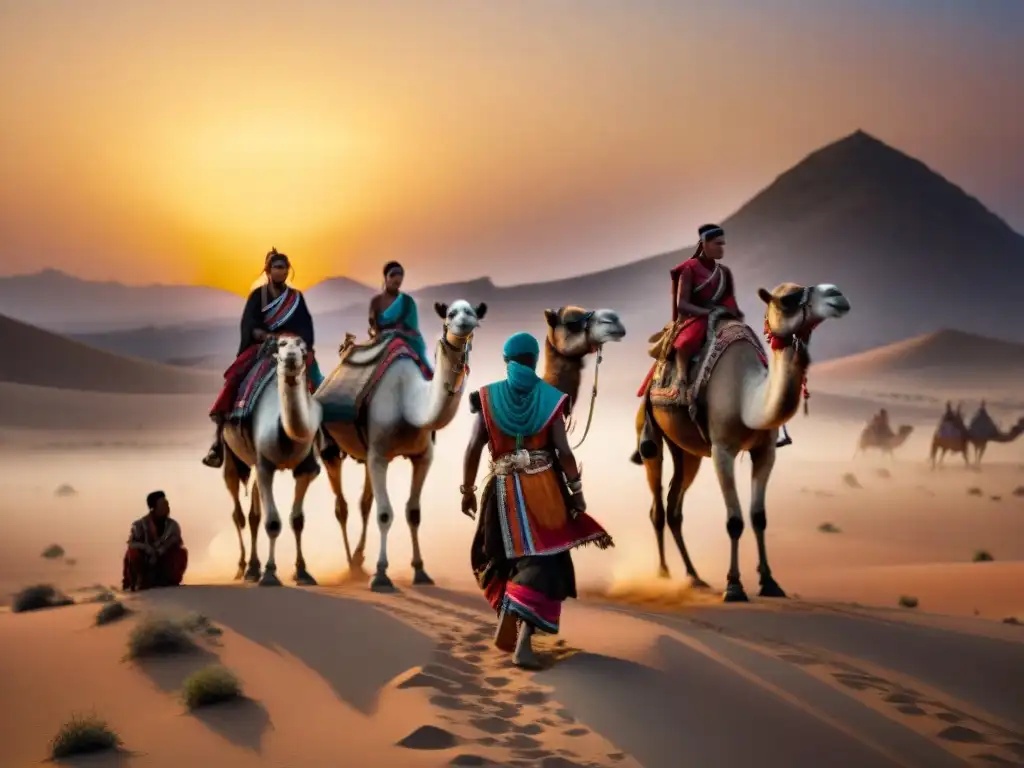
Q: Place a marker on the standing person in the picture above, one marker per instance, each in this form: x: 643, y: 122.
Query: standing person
x: 275, y: 308
x: 156, y: 555
x: 533, y: 510
x: 392, y: 310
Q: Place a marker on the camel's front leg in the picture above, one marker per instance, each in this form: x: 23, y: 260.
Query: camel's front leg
x: 725, y: 467
x: 255, y: 569
x: 762, y: 460
x: 377, y: 465
x: 420, y: 468
x: 265, y: 482
x: 333, y: 465
x: 305, y: 474
x: 234, y: 483
x: 365, y: 505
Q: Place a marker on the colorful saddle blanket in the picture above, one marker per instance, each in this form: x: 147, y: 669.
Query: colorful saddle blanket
x: 348, y: 389
x: 665, y: 389
x: 252, y: 387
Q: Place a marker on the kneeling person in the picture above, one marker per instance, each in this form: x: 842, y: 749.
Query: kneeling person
x: 156, y: 555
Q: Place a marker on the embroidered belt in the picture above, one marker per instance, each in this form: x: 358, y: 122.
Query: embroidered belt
x: 527, y: 462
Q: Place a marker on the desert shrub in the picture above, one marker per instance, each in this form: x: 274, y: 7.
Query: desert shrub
x: 111, y: 612
x: 65, y: 490
x: 850, y: 480
x: 83, y: 735
x: 197, y: 622
x: 983, y: 556
x: 908, y: 601
x: 53, y: 552
x: 829, y: 528
x: 210, y: 685
x: 38, y: 597
x: 159, y: 636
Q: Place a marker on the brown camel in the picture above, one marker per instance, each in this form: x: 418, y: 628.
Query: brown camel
x: 982, y: 431
x: 573, y: 334
x: 951, y: 436
x: 886, y: 443
x: 745, y: 404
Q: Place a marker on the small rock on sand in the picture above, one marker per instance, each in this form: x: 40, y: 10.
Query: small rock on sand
x: 850, y: 480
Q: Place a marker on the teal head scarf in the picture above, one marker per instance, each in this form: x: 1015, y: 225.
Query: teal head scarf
x: 522, y: 404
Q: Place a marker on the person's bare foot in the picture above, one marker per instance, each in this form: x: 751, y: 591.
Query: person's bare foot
x: 524, y: 657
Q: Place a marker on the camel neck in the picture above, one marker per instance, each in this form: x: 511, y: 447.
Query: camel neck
x: 772, y: 397
x: 431, y: 405
x: 300, y: 415
x: 562, y: 372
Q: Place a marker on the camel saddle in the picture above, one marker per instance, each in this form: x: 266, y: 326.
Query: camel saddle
x: 347, y: 391
x: 262, y: 373
x: 666, y: 388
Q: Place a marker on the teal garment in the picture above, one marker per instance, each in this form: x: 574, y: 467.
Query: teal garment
x: 403, y: 315
x: 316, y: 378
x: 522, y: 404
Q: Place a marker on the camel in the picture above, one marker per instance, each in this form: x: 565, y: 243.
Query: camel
x: 401, y: 417
x: 886, y: 443
x: 745, y: 405
x: 279, y: 435
x: 951, y: 436
x: 982, y: 431
x: 573, y: 334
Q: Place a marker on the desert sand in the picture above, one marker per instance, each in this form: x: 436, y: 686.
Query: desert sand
x: 647, y: 672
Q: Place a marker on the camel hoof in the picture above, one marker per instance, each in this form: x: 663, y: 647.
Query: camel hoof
x: 355, y: 563
x: 648, y: 449
x: 253, y: 573
x: 303, y: 579
x: 734, y: 593
x: 698, y: 583
x: 270, y: 579
x: 421, y: 579
x: 663, y: 572
x: 240, y: 573
x: 770, y: 588
x: 381, y: 583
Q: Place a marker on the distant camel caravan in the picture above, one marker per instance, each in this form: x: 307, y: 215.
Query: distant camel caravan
x: 745, y: 400
x: 953, y: 435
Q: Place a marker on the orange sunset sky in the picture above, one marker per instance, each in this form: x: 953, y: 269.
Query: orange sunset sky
x: 178, y: 141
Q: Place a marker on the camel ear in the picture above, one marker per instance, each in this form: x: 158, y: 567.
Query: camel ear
x: 441, y: 309
x: 481, y: 310
x: 552, y: 317
x: 764, y: 295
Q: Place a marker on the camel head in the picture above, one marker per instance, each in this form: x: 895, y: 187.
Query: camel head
x: 904, y: 431
x: 290, y: 355
x: 793, y: 311
x: 575, y: 332
x: 460, y: 319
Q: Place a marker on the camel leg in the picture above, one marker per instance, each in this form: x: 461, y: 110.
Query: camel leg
x: 365, y: 505
x: 255, y: 569
x: 304, y: 476
x: 234, y: 483
x: 333, y: 466
x: 420, y: 468
x: 265, y: 482
x: 725, y: 467
x: 378, y: 468
x: 685, y: 471
x: 647, y: 437
x: 653, y: 466
x: 762, y: 460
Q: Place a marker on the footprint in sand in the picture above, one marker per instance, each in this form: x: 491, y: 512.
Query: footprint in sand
x: 577, y: 732
x: 497, y: 682
x: 430, y: 737
x: 532, y: 697
x: 962, y: 735
x: 494, y: 725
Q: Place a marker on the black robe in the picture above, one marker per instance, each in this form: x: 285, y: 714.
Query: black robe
x: 300, y: 323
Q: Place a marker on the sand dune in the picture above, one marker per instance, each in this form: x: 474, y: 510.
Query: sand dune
x: 46, y: 359
x: 412, y: 678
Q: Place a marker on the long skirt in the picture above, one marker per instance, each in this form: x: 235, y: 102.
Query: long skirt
x: 532, y: 587
x: 141, y: 573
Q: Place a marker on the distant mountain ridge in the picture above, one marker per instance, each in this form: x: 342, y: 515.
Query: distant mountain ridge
x: 912, y: 251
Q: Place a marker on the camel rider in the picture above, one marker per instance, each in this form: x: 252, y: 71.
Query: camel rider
x: 700, y: 285
x: 156, y: 555
x: 392, y: 310
x: 272, y: 309
x: 880, y: 424
x: 522, y: 561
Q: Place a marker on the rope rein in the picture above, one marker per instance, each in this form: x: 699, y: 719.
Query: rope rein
x: 593, y: 398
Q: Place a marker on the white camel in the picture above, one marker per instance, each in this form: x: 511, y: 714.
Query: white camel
x: 401, y: 416
x: 279, y: 435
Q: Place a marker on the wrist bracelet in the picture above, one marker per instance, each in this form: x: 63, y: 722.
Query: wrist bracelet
x: 575, y: 486
x: 467, y: 489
